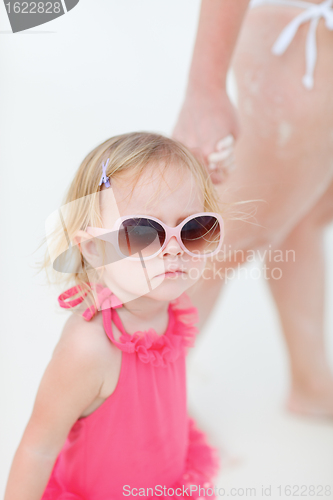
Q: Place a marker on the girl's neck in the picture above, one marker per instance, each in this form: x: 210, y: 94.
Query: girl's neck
x: 143, y: 314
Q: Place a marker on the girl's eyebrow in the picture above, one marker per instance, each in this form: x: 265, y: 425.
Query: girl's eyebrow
x: 179, y: 219
x: 185, y: 217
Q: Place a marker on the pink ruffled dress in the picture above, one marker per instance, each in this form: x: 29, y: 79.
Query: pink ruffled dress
x: 141, y: 436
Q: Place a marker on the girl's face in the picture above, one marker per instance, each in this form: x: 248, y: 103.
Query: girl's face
x: 171, y: 199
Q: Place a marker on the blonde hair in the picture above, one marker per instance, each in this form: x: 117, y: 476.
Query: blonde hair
x: 127, y: 153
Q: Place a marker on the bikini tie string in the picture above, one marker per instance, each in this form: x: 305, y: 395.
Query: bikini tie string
x: 312, y: 13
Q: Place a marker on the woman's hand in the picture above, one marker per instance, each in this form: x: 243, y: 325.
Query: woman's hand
x: 206, y: 118
x: 207, y: 115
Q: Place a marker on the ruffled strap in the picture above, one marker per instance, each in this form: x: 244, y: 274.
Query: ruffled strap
x: 159, y: 350
x: 150, y: 347
x: 125, y: 345
x: 108, y: 302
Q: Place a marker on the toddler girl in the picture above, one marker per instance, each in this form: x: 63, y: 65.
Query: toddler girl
x: 110, y: 416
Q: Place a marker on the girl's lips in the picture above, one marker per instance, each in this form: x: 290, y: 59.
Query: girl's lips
x: 170, y: 274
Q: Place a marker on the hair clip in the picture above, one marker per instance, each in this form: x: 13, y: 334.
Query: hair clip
x: 105, y: 179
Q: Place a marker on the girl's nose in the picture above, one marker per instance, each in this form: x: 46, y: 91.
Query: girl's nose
x: 172, y: 248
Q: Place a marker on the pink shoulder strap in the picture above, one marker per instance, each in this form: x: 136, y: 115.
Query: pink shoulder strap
x: 105, y: 300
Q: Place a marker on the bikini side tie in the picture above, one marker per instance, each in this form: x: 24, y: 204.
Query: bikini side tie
x: 313, y: 13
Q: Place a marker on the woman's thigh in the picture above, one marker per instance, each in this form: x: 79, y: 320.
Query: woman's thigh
x: 285, y: 153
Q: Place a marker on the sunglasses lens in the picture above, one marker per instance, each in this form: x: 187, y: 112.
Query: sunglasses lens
x: 140, y: 236
x: 201, y: 235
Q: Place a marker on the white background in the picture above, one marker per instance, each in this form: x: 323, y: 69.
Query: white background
x: 105, y: 68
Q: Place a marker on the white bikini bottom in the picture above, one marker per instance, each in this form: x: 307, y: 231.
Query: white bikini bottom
x: 312, y: 13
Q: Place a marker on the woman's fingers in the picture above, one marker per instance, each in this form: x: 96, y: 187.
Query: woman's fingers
x: 226, y: 142
x: 220, y: 155
x: 208, y: 126
x: 223, y: 158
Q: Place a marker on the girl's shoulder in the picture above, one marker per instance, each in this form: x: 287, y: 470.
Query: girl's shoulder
x: 86, y: 346
x: 83, y: 337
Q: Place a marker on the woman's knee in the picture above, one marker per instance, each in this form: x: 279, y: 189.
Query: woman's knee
x: 322, y: 213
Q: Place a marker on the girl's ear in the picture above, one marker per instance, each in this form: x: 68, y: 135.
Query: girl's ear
x: 89, y: 247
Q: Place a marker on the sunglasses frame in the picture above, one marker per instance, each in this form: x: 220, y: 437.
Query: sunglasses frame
x: 111, y: 235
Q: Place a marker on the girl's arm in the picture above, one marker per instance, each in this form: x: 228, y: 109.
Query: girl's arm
x: 207, y: 114
x: 72, y: 381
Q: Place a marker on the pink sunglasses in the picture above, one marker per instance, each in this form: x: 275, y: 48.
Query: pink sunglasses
x: 199, y: 235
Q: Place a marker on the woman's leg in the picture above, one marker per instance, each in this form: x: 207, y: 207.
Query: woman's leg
x: 288, y: 150
x: 300, y: 296
x: 285, y: 158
